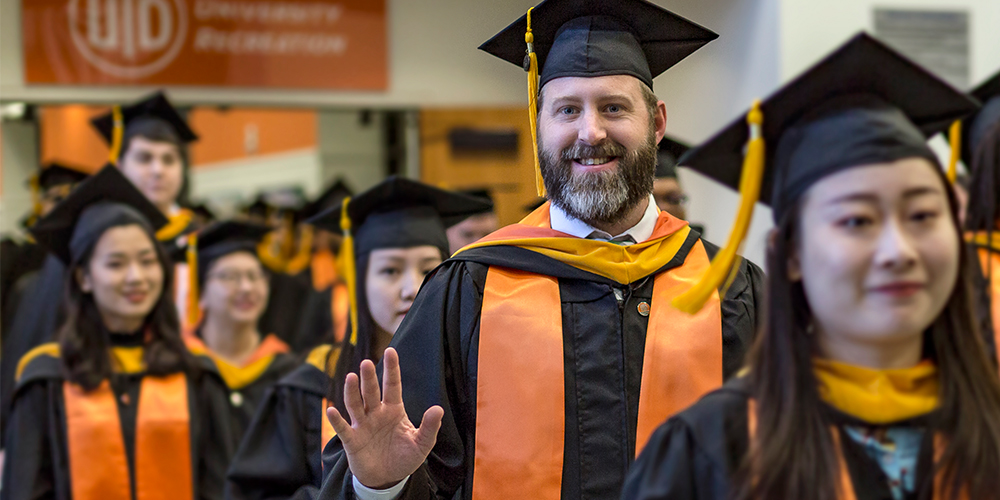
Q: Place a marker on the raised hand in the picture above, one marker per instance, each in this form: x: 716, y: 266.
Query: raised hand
x: 382, y: 445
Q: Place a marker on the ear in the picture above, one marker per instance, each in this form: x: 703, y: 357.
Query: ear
x: 660, y: 120
x: 83, y: 279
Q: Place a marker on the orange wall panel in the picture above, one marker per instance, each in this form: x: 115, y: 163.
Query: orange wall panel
x: 66, y: 136
x: 232, y: 134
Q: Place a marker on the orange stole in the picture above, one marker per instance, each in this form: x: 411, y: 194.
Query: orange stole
x: 682, y: 361
x: 846, y: 484
x: 162, y: 442
x: 990, y: 260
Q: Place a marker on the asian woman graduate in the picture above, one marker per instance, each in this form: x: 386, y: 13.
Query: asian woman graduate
x: 231, y: 290
x: 870, y: 379
x: 117, y: 408
x: 394, y: 236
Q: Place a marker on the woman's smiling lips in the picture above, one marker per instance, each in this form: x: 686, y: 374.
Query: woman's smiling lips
x: 899, y: 289
x: 136, y: 297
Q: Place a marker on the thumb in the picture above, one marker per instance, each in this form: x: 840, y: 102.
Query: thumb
x: 429, y: 427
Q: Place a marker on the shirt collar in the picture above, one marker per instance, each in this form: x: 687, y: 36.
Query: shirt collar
x: 564, y: 223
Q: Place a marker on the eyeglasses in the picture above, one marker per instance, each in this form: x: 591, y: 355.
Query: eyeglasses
x: 675, y: 199
x: 233, y: 278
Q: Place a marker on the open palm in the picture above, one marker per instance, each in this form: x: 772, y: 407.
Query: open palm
x: 382, y: 445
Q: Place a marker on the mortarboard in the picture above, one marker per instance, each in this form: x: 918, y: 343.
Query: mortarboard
x: 114, y: 125
x: 396, y: 213
x: 105, y: 200
x: 483, y: 195
x: 330, y: 197
x: 56, y: 174
x: 670, y: 150
x: 862, y: 104
x: 589, y: 38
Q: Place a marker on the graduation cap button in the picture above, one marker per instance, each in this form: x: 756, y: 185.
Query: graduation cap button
x: 236, y: 399
x: 643, y: 309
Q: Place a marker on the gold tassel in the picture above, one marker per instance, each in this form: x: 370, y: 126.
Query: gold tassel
x: 193, y: 306
x: 36, y: 200
x: 955, y: 138
x: 532, y: 69
x: 350, y: 272
x: 721, y: 270
x: 117, y: 133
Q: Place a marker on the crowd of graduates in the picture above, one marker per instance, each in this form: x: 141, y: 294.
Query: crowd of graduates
x: 396, y: 343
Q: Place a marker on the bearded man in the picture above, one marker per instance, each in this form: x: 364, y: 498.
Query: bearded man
x: 542, y: 357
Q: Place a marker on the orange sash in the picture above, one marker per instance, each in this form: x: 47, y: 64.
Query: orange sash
x: 990, y: 260
x: 519, y: 458
x: 340, y: 306
x: 98, y: 465
x: 846, y: 484
x: 324, y: 269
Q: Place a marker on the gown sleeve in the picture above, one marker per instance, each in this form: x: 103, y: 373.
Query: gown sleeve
x: 280, y: 453
x: 742, y: 312
x: 435, y: 342
x: 28, y: 470
x: 214, y: 440
x: 674, y: 467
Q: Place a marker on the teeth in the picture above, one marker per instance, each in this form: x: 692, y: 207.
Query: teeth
x: 593, y: 161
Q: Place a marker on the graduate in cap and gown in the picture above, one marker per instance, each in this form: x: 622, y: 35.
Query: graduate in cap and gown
x: 980, y: 138
x: 230, y: 293
x: 396, y: 236
x: 542, y: 357
x: 117, y: 408
x: 869, y: 380
x: 148, y: 142
x: 475, y: 227
x: 32, y: 279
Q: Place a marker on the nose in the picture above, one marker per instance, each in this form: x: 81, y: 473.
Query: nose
x: 134, y: 273
x: 592, y: 129
x: 896, y: 250
x: 411, y: 285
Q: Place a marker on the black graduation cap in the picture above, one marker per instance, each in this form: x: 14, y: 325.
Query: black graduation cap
x: 400, y: 212
x: 863, y: 104
x: 975, y: 126
x: 482, y: 194
x: 56, y: 174
x: 670, y: 150
x: 102, y: 201
x: 220, y: 239
x: 330, y: 197
x: 203, y: 211
x: 600, y: 37
x: 154, y: 106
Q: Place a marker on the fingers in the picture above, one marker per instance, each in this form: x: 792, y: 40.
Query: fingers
x: 429, y: 427
x: 352, y: 398
x: 340, y: 426
x: 369, y: 385
x: 392, y: 385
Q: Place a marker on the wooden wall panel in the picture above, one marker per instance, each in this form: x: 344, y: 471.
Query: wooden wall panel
x: 509, y: 176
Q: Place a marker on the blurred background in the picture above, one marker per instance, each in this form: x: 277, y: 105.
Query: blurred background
x: 295, y: 95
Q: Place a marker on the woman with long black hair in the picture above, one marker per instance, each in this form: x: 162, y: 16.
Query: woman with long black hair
x: 870, y: 379
x: 396, y: 236
x: 117, y: 408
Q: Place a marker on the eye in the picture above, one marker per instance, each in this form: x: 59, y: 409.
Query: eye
x: 389, y: 271
x: 567, y: 110
x: 924, y: 215
x: 856, y: 222
x: 614, y: 108
x: 150, y: 261
x: 114, y: 264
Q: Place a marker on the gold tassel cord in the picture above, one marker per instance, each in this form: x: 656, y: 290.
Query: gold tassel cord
x: 532, y: 69
x: 36, y: 200
x: 193, y: 297
x: 350, y: 272
x: 117, y: 134
x: 955, y: 140
x: 721, y: 270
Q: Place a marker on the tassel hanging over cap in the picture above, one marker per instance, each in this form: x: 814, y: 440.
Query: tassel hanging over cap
x: 725, y: 262
x: 117, y: 134
x: 531, y: 66
x: 955, y: 140
x: 350, y: 272
x: 193, y: 313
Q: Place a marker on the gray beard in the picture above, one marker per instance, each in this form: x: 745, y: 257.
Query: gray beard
x: 599, y: 197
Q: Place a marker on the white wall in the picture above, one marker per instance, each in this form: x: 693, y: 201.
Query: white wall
x: 241, y: 179
x: 20, y: 155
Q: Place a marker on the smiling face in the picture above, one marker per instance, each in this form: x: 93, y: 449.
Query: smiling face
x: 597, y: 142
x: 156, y: 169
x: 236, y: 289
x: 125, y: 277
x: 393, y: 278
x: 878, y: 257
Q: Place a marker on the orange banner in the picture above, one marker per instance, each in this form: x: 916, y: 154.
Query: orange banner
x: 320, y: 44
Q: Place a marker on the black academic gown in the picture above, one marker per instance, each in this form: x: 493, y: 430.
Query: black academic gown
x: 279, y: 457
x: 243, y: 400
x: 604, y: 341
x: 695, y: 454
x: 39, y: 313
x: 36, y: 464
x: 290, y: 295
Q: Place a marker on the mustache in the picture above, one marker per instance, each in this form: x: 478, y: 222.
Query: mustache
x: 605, y: 149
